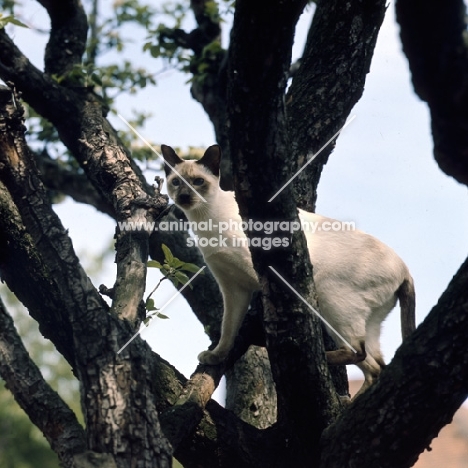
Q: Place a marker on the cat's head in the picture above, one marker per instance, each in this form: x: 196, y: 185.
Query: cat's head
x: 192, y: 184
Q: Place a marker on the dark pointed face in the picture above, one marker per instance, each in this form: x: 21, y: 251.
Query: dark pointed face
x: 191, y: 183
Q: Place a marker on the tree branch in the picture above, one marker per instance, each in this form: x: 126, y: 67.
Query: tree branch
x: 37, y: 89
x: 216, y: 443
x: 114, y: 174
x: 250, y: 392
x: 19, y: 260
x: 67, y: 40
x: 115, y: 392
x: 207, y: 31
x: 71, y: 111
x: 183, y: 417
x: 434, y: 40
x: 422, y: 387
x: 25, y: 216
x: 209, y: 86
x: 90, y: 335
x: 70, y: 182
x: 258, y: 67
x: 328, y: 82
x: 65, y: 108
x: 41, y: 403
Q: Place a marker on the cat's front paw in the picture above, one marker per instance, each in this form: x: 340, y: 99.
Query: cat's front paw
x: 211, y: 358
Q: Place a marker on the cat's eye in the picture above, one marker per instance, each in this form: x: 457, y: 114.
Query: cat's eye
x: 175, y: 182
x: 198, y: 181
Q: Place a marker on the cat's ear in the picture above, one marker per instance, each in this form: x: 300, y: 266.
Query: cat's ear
x: 170, y: 157
x: 212, y: 159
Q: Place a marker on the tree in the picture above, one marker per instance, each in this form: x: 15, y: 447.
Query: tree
x: 138, y: 409
x: 23, y: 444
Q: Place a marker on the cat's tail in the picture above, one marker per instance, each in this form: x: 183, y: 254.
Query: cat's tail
x: 407, y: 297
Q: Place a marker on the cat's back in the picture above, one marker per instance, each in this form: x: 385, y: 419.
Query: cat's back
x: 337, y: 248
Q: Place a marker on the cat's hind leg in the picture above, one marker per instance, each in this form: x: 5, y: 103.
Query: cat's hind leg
x: 371, y: 369
x: 347, y: 330
x: 347, y: 355
x: 365, y: 361
x: 374, y: 362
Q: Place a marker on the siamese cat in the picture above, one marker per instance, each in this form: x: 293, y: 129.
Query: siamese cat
x: 358, y: 279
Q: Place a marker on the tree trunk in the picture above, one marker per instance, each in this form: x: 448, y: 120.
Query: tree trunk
x: 433, y: 35
x: 328, y: 83
x: 415, y: 396
x: 250, y: 389
x: 138, y: 408
x: 259, y: 149
x: 120, y: 412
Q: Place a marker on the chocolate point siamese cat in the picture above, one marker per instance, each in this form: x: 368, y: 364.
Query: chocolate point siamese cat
x: 358, y: 279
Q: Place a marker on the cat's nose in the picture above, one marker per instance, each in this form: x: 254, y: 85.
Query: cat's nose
x: 184, y: 199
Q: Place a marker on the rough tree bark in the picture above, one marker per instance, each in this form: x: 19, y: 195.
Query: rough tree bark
x: 64, y: 107
x: 43, y: 405
x: 416, y: 394
x: 329, y: 82
x: 128, y: 385
x: 259, y: 147
x: 111, y: 406
x: 433, y: 35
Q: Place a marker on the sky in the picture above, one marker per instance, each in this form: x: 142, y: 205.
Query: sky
x: 381, y: 175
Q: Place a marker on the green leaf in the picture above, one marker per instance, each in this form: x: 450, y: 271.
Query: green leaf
x: 176, y: 263
x: 155, y: 51
x: 192, y: 268
x: 165, y: 271
x: 4, y: 20
x: 154, y: 264
x: 182, y: 277
x: 174, y: 281
x: 18, y: 23
x: 167, y: 253
x: 162, y: 316
x: 150, y: 305
x: 96, y: 79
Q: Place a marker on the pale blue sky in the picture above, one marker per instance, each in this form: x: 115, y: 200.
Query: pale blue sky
x: 381, y: 175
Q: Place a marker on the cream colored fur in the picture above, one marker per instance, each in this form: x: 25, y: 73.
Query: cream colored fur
x: 358, y: 278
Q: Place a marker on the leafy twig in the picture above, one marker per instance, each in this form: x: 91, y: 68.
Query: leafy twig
x: 172, y: 269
